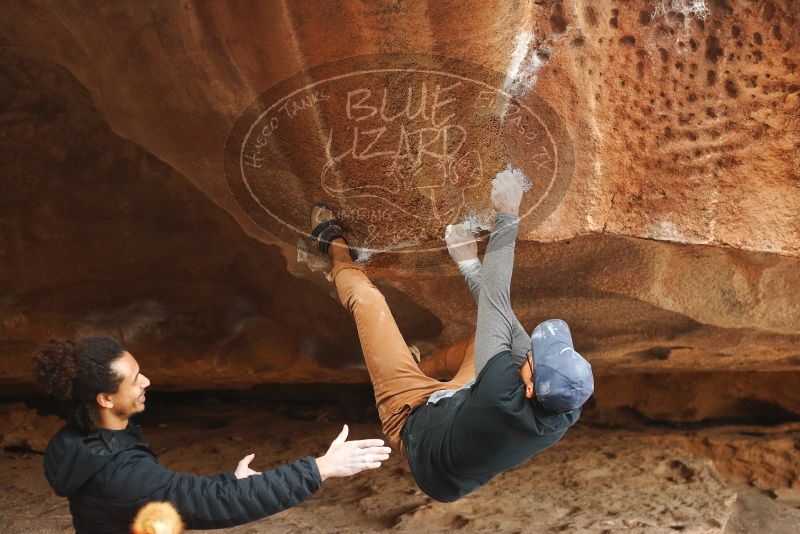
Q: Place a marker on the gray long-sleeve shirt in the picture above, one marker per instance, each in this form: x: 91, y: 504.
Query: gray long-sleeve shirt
x: 462, y: 438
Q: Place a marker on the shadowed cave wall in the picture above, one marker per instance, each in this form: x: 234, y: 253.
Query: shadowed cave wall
x: 673, y: 255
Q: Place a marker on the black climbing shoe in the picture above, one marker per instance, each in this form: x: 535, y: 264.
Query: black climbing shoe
x: 326, y: 228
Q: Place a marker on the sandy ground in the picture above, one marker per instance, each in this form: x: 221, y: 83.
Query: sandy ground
x: 595, y: 480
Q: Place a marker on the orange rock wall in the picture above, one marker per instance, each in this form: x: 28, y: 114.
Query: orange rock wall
x: 675, y: 248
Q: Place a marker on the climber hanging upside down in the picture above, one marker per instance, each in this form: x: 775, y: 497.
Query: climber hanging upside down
x: 509, y: 395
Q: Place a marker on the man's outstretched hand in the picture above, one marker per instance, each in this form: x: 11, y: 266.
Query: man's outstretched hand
x: 461, y: 243
x: 243, y: 469
x: 345, y: 458
x: 507, y: 191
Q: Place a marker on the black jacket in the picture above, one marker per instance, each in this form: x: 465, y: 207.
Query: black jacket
x: 110, y: 474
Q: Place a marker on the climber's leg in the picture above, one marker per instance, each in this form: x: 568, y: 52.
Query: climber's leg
x: 398, y: 382
x: 454, y: 363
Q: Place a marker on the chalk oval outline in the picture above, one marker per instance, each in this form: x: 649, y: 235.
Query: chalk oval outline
x: 365, y: 58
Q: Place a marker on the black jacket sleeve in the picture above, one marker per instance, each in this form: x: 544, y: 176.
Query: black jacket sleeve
x: 222, y: 477
x: 215, y: 501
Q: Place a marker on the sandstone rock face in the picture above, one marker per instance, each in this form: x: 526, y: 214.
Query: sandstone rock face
x: 682, y: 119
x: 99, y: 237
x: 662, y: 140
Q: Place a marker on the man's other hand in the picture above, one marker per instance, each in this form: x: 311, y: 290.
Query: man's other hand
x: 507, y: 188
x: 461, y: 243
x: 345, y: 458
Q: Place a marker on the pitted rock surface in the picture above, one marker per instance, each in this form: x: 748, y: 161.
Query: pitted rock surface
x: 673, y: 249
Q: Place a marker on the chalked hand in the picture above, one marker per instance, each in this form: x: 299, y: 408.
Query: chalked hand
x: 461, y: 243
x: 507, y: 189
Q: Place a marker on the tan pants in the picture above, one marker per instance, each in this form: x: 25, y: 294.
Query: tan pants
x: 400, y: 385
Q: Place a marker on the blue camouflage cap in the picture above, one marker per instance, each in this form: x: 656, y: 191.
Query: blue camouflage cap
x: 563, y: 379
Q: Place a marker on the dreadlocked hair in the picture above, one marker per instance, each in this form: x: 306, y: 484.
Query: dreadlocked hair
x: 74, y: 373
